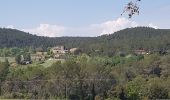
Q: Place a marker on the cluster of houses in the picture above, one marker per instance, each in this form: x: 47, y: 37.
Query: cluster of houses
x: 148, y: 52
x: 142, y: 52
x: 58, y: 52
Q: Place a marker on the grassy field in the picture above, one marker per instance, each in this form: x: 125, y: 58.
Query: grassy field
x: 10, y: 59
x: 49, y: 62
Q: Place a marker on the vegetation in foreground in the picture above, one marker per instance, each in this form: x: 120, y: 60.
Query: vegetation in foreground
x: 90, y: 78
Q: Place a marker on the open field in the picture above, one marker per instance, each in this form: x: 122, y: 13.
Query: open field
x: 10, y: 59
x: 46, y: 64
x: 49, y: 62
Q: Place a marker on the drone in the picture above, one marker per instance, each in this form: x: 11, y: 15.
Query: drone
x: 131, y: 8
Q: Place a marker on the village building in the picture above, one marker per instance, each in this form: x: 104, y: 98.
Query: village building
x: 37, y: 57
x: 75, y: 51
x: 142, y: 52
x: 59, y: 52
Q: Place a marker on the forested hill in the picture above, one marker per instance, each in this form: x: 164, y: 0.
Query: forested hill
x: 16, y: 38
x: 127, y: 39
x: 139, y: 37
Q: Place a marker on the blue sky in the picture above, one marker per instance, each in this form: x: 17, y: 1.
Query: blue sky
x: 80, y: 17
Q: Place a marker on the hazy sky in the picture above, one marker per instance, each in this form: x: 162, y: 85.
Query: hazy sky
x: 80, y: 17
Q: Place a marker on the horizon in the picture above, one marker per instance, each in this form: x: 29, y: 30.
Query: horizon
x: 86, y: 36
x: 80, y: 18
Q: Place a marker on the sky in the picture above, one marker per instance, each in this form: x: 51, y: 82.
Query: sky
x: 55, y: 18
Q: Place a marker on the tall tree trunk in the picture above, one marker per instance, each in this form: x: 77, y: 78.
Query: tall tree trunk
x: 93, y: 92
x: 81, y: 90
x: 0, y: 87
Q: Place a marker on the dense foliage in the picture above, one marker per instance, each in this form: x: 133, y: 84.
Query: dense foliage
x: 16, y: 38
x: 88, y: 78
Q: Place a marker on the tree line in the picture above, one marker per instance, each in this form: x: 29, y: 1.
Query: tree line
x: 125, y: 40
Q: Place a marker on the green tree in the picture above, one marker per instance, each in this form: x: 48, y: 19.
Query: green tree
x: 4, y: 70
x: 18, y: 59
x: 157, y: 89
x: 14, y: 51
x: 27, y: 57
x: 135, y: 88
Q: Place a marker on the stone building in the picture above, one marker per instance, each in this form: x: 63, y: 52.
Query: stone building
x: 59, y: 52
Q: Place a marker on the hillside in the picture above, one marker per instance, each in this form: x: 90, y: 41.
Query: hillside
x: 140, y: 37
x: 16, y: 38
x: 127, y: 39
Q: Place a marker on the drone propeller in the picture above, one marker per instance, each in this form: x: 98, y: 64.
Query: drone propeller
x: 131, y: 8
